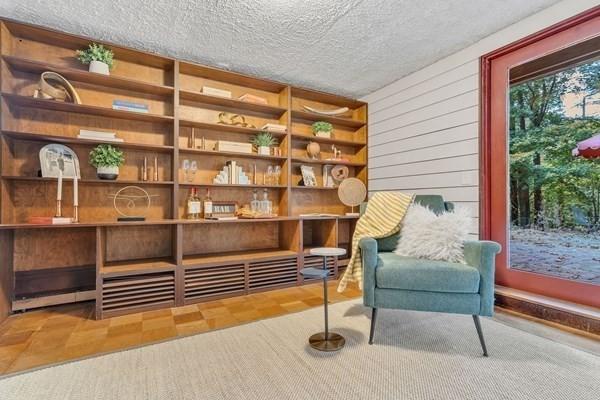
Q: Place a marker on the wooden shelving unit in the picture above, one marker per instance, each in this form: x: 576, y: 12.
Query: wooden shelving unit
x: 165, y: 260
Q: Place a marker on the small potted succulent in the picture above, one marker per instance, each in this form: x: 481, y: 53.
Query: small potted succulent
x: 107, y: 160
x: 263, y: 142
x: 322, y: 129
x: 98, y: 57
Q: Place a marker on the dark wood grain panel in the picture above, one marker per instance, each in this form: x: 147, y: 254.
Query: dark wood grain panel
x: 44, y: 248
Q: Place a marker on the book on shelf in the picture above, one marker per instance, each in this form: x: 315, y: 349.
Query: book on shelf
x: 49, y: 220
x: 274, y: 127
x: 98, y: 135
x: 211, y: 91
x: 250, y: 98
x: 223, y: 218
x: 224, y: 145
x: 129, y: 106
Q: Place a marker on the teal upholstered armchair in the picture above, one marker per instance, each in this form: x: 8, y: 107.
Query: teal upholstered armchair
x: 392, y: 281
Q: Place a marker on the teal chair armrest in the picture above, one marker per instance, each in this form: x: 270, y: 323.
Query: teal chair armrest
x: 482, y: 255
x: 368, y: 253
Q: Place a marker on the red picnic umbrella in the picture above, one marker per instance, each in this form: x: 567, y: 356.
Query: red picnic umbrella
x: 588, y: 148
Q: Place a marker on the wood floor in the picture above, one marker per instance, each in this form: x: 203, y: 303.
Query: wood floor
x: 63, y: 333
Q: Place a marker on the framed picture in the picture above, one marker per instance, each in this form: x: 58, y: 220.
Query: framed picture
x: 54, y: 157
x: 308, y: 175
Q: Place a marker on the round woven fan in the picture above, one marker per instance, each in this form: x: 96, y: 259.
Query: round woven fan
x: 352, y: 192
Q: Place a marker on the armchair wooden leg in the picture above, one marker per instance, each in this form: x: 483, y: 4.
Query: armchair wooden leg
x: 480, y: 334
x: 373, y: 318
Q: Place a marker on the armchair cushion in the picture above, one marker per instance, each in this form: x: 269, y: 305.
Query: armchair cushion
x: 398, y: 272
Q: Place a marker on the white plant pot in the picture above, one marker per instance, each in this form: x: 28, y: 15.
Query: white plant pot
x: 323, y: 134
x: 108, y: 173
x: 264, y: 150
x: 99, y: 67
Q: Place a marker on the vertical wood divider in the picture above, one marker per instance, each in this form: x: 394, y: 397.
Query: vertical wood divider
x: 179, y: 271
x: 288, y: 189
x: 7, y: 277
x: 100, y: 254
x: 178, y: 231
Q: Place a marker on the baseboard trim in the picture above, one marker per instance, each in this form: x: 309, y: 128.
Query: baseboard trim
x: 53, y: 300
x: 572, y: 315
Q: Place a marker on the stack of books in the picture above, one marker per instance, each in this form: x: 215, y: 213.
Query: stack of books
x: 129, y: 106
x: 98, y: 135
x: 274, y: 128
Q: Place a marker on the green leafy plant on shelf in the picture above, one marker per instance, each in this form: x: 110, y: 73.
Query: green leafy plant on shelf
x: 96, y: 55
x: 263, y: 141
x: 322, y: 129
x: 106, y: 159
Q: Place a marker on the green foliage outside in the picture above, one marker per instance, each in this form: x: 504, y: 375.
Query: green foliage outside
x: 105, y: 155
x: 550, y: 188
x: 96, y: 52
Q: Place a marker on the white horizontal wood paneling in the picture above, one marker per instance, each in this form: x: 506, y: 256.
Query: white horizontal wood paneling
x: 424, y: 128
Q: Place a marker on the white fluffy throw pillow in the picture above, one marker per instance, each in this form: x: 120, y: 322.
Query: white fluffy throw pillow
x: 435, y: 237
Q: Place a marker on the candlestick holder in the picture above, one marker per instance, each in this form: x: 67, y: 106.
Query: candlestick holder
x: 75, y: 213
x: 58, y: 208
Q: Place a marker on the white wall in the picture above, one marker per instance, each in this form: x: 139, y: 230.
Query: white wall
x: 424, y: 128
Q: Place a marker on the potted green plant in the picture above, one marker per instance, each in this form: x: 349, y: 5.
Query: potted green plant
x: 263, y: 142
x: 107, y: 160
x: 322, y: 129
x: 98, y: 57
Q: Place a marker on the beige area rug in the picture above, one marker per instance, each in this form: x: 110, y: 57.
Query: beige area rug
x: 416, y: 356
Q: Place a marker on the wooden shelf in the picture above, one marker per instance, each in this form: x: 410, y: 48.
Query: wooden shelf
x: 328, y: 98
x: 72, y: 74
x: 313, y: 188
x: 233, y: 186
x: 339, y: 121
x: 298, y: 136
x: 74, y: 140
x: 230, y: 77
x: 202, y: 98
x: 226, y: 128
x: 323, y: 162
x: 135, y: 267
x: 90, y: 181
x: 238, y: 256
x: 25, y: 101
x: 235, y: 221
x: 230, y: 154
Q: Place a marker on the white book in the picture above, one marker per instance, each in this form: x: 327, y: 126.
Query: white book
x: 274, y: 127
x: 216, y: 92
x: 102, y: 139
x: 96, y: 134
x: 139, y: 110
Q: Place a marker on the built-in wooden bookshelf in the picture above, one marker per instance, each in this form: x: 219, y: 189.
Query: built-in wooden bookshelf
x: 166, y: 260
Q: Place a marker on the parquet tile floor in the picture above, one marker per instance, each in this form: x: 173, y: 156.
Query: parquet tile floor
x: 58, y: 334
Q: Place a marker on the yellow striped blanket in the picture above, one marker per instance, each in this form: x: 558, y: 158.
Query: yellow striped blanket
x: 382, y: 218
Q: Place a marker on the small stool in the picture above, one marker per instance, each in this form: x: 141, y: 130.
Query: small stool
x: 324, y: 341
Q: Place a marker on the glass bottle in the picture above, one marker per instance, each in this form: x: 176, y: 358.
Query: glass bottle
x: 255, y: 204
x: 194, y: 205
x: 207, y: 205
x: 277, y: 175
x: 266, y: 206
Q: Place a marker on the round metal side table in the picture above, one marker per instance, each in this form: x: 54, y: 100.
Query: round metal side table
x: 324, y: 341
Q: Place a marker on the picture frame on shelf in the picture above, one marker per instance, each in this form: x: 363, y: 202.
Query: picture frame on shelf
x: 308, y: 175
x: 49, y: 161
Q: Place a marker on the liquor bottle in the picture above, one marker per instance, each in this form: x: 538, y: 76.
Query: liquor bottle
x: 208, y: 205
x: 194, y: 205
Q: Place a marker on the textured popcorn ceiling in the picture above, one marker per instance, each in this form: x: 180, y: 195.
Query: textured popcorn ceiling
x: 352, y: 47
